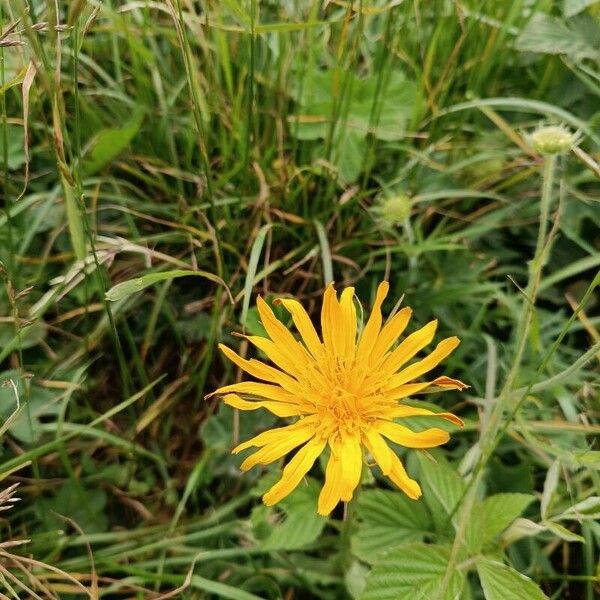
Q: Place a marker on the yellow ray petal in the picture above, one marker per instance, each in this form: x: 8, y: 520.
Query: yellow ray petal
x: 281, y: 409
x: 271, y: 452
x: 350, y: 454
x: 373, y: 326
x: 389, y: 334
x: 405, y: 390
x: 259, y: 370
x: 304, y: 326
x: 400, y: 477
x: 275, y: 354
x: 262, y: 390
x: 347, y: 332
x: 379, y: 450
x: 331, y: 320
x: 408, y: 348
x: 294, y: 471
x: 403, y: 411
x: 331, y: 493
x: 443, y: 384
x: 279, y: 333
x: 274, y: 435
x: 443, y: 349
x: 430, y: 438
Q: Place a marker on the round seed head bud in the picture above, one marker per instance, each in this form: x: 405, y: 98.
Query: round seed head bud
x: 393, y: 210
x: 553, y: 139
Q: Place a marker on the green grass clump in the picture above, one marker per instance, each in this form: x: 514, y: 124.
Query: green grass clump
x: 165, y: 162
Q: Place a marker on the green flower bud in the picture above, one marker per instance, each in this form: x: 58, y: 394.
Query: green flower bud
x: 393, y: 210
x: 553, y: 139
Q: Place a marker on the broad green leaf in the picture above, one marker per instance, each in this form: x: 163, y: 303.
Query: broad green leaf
x: 500, y: 511
x: 442, y: 490
x: 501, y: 582
x: 37, y: 403
x: 492, y: 516
x: 300, y: 525
x: 109, y: 143
x: 132, y: 286
x: 387, y: 519
x: 549, y: 35
x: 380, y: 108
x: 84, y: 506
x: 412, y: 571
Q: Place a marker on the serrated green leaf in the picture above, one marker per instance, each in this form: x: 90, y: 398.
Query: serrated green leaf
x: 387, y: 519
x: 300, y: 525
x: 412, y: 571
x: 491, y: 517
x: 386, y: 118
x: 442, y: 490
x: 132, y: 286
x: 501, y: 582
x: 549, y: 35
x: 573, y: 7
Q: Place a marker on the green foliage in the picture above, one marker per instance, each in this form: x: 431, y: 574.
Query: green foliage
x: 109, y: 143
x: 387, y: 519
x: 412, y: 571
x: 300, y: 526
x: 184, y: 158
x: 501, y: 582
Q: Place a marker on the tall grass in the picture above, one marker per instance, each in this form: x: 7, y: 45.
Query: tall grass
x: 182, y: 157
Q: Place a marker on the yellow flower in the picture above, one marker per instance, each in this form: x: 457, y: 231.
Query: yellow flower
x: 345, y: 393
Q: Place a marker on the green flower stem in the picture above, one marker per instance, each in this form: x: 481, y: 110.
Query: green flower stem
x: 488, y: 441
x: 347, y: 530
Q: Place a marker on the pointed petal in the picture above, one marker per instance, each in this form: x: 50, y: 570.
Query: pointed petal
x: 409, y: 347
x: 275, y: 354
x: 442, y: 350
x: 262, y: 390
x: 272, y: 452
x: 331, y: 320
x: 331, y: 493
x: 389, y: 334
x: 259, y: 370
x: 281, y: 409
x: 373, y: 326
x: 430, y: 438
x: 348, y: 329
x: 403, y: 411
x: 294, y: 471
x: 380, y: 451
x: 304, y: 326
x: 272, y: 436
x: 279, y: 333
x: 443, y: 384
x: 400, y: 477
x: 350, y: 454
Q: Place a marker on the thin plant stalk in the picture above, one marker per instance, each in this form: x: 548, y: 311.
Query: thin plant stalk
x: 506, y: 398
